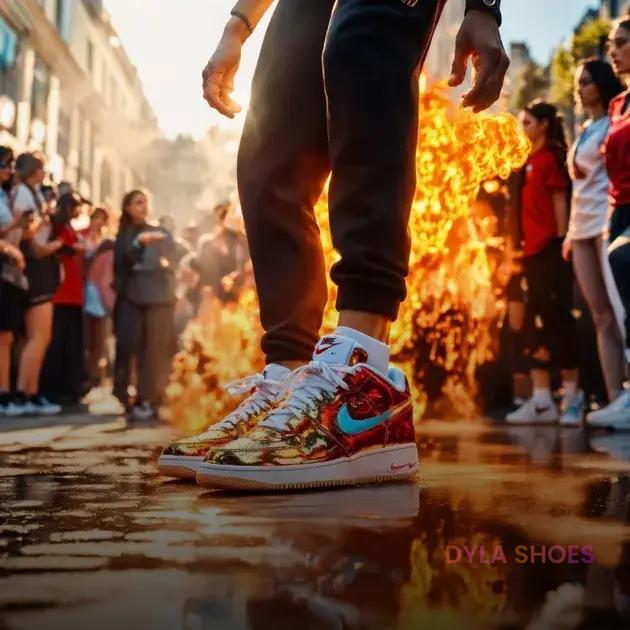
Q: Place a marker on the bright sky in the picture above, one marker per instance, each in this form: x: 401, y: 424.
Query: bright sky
x: 170, y: 46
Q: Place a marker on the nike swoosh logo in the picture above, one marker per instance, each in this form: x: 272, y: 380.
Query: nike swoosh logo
x: 350, y: 426
x: 542, y: 409
x: 394, y: 468
x: 328, y: 346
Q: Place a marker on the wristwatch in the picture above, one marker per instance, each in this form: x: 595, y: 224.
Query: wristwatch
x: 489, y: 6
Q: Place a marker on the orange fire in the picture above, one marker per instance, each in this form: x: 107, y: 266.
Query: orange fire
x: 446, y: 326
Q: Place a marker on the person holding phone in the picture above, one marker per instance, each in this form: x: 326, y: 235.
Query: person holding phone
x: 43, y: 275
x: 12, y: 280
x: 144, y: 315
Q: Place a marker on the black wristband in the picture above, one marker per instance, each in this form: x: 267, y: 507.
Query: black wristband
x: 243, y: 18
x: 488, y: 6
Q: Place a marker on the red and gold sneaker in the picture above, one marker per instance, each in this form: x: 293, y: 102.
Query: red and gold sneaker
x: 183, y: 457
x: 341, y: 423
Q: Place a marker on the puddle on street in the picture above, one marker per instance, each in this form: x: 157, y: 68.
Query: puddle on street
x: 91, y: 536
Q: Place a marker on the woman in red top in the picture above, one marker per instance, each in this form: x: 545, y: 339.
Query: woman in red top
x: 63, y: 374
x: 618, y: 142
x: 544, y: 218
x: 617, y: 414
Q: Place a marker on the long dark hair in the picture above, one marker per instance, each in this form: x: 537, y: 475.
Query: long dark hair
x: 6, y: 155
x: 66, y: 204
x: 604, y: 77
x: 623, y: 22
x: 555, y: 137
x: 125, y: 219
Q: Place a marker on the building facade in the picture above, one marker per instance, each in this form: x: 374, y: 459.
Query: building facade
x: 614, y: 8
x: 68, y: 88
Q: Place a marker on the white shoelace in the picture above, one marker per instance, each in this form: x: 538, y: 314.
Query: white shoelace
x: 305, y: 388
x: 265, y: 394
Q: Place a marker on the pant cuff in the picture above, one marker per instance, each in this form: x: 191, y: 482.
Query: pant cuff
x: 368, y: 298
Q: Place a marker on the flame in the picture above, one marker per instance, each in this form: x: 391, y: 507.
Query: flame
x: 445, y: 329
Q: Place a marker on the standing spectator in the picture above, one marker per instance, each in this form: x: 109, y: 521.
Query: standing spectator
x: 544, y: 214
x: 617, y: 413
x: 43, y: 276
x: 99, y: 296
x: 62, y: 374
x: 182, y: 248
x: 586, y: 241
x: 222, y: 256
x: 12, y: 280
x: 144, y: 312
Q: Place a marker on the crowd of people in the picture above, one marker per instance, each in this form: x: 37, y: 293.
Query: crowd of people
x: 574, y: 209
x: 72, y: 273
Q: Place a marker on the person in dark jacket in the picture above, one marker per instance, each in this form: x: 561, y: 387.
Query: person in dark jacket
x: 144, y: 310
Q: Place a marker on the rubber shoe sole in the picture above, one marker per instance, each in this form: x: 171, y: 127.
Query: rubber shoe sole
x: 391, y: 464
x: 179, y: 466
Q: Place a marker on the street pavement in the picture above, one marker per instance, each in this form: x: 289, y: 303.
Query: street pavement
x: 92, y: 537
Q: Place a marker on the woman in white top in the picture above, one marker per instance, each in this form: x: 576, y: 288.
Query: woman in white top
x: 587, y: 238
x: 42, y: 273
x: 12, y: 280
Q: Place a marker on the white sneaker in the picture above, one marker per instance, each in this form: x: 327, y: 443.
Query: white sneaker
x: 19, y: 405
x: 95, y: 395
x: 41, y: 406
x: 572, y: 410
x: 110, y: 406
x: 615, y: 415
x: 533, y: 412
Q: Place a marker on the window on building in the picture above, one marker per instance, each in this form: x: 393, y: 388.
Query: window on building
x: 89, y: 56
x: 63, y: 18
x: 106, y: 180
x: 9, y: 79
x: 86, y: 149
x: 113, y: 93
x: 40, y: 89
x: 63, y: 137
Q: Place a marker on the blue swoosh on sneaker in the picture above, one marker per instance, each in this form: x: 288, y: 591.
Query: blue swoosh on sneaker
x: 351, y: 426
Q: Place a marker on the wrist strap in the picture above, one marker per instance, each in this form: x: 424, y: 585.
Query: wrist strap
x: 243, y: 18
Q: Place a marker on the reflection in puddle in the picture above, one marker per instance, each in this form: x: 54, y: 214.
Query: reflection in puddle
x: 114, y: 541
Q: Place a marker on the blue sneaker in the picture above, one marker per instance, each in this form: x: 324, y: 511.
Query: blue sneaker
x: 616, y: 415
x: 572, y: 410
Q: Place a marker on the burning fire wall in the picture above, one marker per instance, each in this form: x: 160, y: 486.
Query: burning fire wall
x: 448, y: 326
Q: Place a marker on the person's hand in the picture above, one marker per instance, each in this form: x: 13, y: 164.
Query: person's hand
x: 79, y: 248
x: 56, y: 245
x: 218, y: 75
x: 147, y: 238
x: 566, y: 248
x: 12, y: 252
x: 480, y: 39
x: 25, y: 220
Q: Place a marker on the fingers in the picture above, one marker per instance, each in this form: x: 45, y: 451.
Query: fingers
x: 492, y: 64
x: 460, y: 62
x: 217, y: 86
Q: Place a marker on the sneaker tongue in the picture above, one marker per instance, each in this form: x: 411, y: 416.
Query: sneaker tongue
x: 340, y: 350
x: 276, y: 372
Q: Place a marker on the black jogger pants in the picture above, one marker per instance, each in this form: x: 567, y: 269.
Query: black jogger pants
x: 333, y: 91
